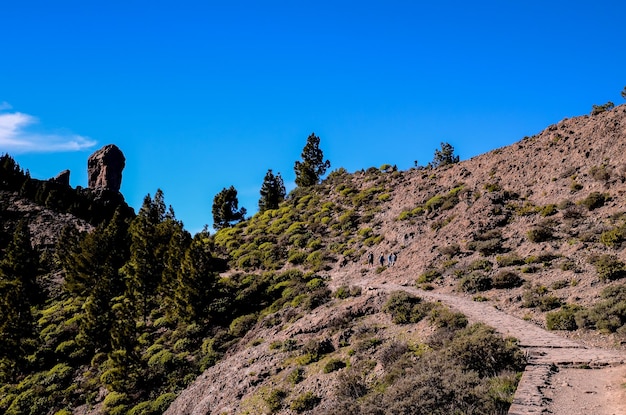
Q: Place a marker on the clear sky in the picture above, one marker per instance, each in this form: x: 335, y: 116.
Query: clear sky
x: 201, y: 95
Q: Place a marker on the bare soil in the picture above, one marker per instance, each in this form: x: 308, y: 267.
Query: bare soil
x: 588, y: 391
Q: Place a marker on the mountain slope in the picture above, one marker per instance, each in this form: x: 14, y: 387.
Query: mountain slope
x: 534, y: 229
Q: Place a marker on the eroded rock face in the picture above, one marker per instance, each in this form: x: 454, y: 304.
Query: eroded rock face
x: 62, y: 178
x: 104, y: 168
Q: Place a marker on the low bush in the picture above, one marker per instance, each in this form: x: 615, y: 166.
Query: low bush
x: 443, y: 317
x: 595, y: 200
x: 405, y: 308
x: 392, y: 352
x: 450, y: 250
x: 564, y: 319
x: 539, y: 234
x: 241, y: 325
x: 475, y: 282
x: 509, y: 260
x: 480, y: 265
x: 608, y: 315
x: 274, y: 400
x: 345, y: 291
x: 428, y: 276
x: 333, y: 365
x: 599, y: 109
x: 548, y: 210
x: 487, y: 247
x: 608, y: 267
x: 296, y: 376
x: 600, y: 173
x: 537, y: 297
x: 507, y: 279
x: 305, y: 402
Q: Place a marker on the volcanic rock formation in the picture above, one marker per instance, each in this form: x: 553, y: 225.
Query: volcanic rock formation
x: 62, y: 178
x: 104, y: 168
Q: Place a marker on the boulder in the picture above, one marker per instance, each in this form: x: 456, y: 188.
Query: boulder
x: 104, y: 168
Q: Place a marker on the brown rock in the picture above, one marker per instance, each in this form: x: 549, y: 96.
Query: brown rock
x: 62, y: 178
x: 104, y: 168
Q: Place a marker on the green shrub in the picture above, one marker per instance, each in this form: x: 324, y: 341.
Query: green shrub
x: 507, y: 279
x: 296, y: 376
x: 614, y: 237
x: 509, y: 260
x: 486, y: 247
x: 600, y: 173
x: 557, y: 285
x: 115, y: 400
x: 349, y: 220
x: 539, y: 234
x: 305, y: 402
x: 492, y: 187
x: 475, y: 282
x: 405, y: 308
x: 608, y: 315
x: 333, y: 365
x: 548, y: 210
x: 344, y: 292
x: 315, y: 260
x: 564, y: 319
x: 594, y: 200
x: 480, y: 265
x: 608, y: 267
x: 315, y: 283
x: 274, y: 400
x: 599, y: 109
x: 428, y: 276
x: 297, y: 257
x: 443, y: 317
x: 240, y: 326
x: 450, y: 250
x: 537, y: 296
x: 478, y: 348
x: 404, y: 215
x: 314, y: 350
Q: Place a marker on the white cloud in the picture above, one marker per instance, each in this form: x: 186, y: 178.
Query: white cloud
x: 15, y: 136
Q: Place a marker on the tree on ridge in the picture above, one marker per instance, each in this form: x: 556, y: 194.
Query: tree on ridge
x: 312, y: 167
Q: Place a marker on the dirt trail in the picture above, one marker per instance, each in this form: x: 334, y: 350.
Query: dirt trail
x: 562, y: 377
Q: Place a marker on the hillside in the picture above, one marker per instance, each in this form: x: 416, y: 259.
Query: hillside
x: 282, y: 313
x: 532, y: 228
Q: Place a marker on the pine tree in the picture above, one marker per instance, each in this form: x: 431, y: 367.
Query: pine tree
x: 624, y: 93
x: 197, y: 280
x: 112, y: 245
x: 272, y: 191
x: 312, y: 168
x: 18, y: 291
x: 150, y: 232
x: 226, y: 209
x: 444, y: 156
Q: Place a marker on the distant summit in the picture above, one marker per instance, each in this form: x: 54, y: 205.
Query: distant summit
x: 104, y: 168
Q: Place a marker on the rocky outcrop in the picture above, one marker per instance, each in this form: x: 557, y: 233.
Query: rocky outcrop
x: 62, y: 178
x: 104, y: 168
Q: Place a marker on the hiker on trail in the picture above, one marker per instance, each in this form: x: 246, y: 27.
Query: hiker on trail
x: 370, y: 259
x: 393, y: 257
x: 382, y: 260
x: 390, y: 259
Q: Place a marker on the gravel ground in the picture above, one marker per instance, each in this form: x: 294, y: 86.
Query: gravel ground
x: 588, y: 391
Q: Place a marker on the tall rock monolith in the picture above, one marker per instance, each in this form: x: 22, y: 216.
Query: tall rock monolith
x: 104, y: 168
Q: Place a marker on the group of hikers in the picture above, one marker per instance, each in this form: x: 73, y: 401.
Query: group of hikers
x: 390, y: 261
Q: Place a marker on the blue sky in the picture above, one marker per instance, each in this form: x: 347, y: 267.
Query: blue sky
x: 203, y: 95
